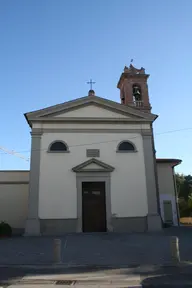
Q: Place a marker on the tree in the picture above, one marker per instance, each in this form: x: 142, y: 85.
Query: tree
x: 184, y: 185
x: 190, y: 202
x: 184, y: 189
x: 179, y: 182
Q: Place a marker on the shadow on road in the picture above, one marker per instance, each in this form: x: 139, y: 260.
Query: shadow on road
x: 163, y: 276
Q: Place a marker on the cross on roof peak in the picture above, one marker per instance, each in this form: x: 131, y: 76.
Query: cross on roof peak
x: 91, y: 84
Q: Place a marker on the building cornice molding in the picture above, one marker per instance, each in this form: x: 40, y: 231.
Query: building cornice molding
x: 89, y: 120
x: 14, y: 182
x: 40, y: 131
x: 36, y: 132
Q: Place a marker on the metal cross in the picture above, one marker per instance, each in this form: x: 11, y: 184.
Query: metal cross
x: 91, y: 83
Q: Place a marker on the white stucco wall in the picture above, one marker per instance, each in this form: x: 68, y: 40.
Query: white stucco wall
x: 58, y: 194
x: 14, y: 197
x: 165, y: 178
x: 166, y: 188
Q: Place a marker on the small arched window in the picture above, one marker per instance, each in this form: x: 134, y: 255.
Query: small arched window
x: 58, y: 146
x: 126, y: 146
x: 137, y: 92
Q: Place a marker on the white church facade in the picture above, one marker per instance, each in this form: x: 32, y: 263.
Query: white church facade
x: 93, y: 165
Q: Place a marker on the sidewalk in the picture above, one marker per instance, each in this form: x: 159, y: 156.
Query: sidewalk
x: 140, y: 276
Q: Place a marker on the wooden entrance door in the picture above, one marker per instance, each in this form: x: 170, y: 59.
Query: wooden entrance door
x: 93, y: 206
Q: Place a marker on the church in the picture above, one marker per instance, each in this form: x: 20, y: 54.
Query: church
x: 94, y: 168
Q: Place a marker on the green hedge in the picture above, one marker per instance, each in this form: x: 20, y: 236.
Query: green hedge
x: 5, y: 230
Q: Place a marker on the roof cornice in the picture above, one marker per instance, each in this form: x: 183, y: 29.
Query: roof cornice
x: 89, y: 100
x: 87, y: 120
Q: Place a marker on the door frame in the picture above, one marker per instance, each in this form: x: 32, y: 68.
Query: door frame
x: 93, y: 177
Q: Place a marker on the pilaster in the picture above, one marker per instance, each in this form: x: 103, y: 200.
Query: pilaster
x: 32, y: 227
x: 153, y: 217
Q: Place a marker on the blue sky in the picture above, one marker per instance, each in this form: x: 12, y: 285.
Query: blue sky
x: 50, y: 48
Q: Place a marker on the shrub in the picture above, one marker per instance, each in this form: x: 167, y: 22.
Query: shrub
x: 5, y: 229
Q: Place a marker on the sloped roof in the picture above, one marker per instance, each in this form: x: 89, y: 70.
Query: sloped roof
x: 172, y: 161
x: 88, y: 100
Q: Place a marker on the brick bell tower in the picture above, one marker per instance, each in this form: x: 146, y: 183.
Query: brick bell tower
x: 133, y: 88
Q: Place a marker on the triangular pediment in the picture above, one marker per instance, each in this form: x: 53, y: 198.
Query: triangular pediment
x: 93, y: 165
x: 92, y: 110
x: 89, y: 107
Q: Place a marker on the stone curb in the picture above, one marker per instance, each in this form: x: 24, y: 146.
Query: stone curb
x: 68, y: 266
x: 65, y: 266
